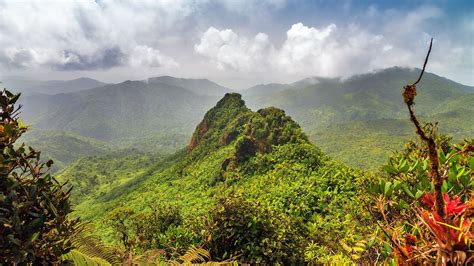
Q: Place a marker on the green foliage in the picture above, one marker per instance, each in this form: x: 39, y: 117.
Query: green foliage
x: 407, y: 176
x: 33, y: 206
x: 88, y: 247
x: 91, y: 176
x: 145, y: 230
x: 243, y: 229
x: 209, y: 136
x: 64, y: 148
x: 402, y: 190
x: 285, y: 187
x: 78, y: 258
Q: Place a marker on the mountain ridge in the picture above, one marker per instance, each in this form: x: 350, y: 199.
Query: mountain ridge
x: 268, y: 161
x: 50, y: 87
x: 161, y: 116
x: 198, y: 86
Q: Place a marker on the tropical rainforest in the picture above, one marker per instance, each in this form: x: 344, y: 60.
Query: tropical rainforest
x: 171, y: 170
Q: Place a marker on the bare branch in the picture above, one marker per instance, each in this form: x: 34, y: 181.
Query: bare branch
x: 424, y: 65
x: 409, y: 94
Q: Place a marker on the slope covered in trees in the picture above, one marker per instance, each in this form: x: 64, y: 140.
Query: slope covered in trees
x: 249, y: 184
x: 251, y: 187
x: 159, y: 114
x: 363, y: 110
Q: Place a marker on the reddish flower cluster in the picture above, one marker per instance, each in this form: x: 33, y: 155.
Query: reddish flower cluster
x: 452, y: 231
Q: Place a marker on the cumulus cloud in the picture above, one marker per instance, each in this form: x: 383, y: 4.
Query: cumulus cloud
x: 325, y: 51
x: 81, y: 35
x: 331, y: 50
x: 229, y: 51
x: 147, y: 56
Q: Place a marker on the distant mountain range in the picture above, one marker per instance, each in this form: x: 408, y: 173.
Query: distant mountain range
x: 30, y: 86
x: 197, y: 86
x: 363, y: 97
x: 160, y: 113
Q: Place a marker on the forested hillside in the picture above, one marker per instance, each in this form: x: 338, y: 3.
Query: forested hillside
x: 366, y: 111
x: 249, y: 187
x: 361, y: 112
x: 252, y: 176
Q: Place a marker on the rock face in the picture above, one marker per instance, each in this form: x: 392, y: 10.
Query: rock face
x: 231, y: 122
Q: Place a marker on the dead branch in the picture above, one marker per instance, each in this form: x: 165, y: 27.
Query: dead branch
x: 409, y: 94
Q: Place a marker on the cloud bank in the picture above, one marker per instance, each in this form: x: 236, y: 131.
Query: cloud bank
x: 333, y: 50
x: 80, y: 35
x: 257, y: 40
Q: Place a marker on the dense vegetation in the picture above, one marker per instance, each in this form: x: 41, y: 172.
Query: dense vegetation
x: 34, y: 225
x: 404, y: 203
x: 250, y: 186
x: 160, y: 114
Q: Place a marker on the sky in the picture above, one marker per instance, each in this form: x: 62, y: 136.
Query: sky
x: 236, y: 43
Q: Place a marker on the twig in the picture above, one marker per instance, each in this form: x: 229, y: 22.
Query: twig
x: 424, y: 65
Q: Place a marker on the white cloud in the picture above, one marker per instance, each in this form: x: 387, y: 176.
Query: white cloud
x: 77, y: 34
x: 229, y: 51
x: 327, y: 51
x: 306, y: 48
x: 150, y: 57
x: 332, y: 50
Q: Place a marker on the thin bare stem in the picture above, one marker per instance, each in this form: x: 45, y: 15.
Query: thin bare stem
x: 424, y: 65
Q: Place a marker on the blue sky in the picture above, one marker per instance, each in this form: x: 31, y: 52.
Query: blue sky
x: 234, y: 42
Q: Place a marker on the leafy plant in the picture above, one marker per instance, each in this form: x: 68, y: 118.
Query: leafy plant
x: 242, y: 229
x: 34, y: 226
x: 423, y: 205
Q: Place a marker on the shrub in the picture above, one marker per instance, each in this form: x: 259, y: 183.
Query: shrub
x: 252, y: 233
x: 147, y: 229
x: 34, y: 227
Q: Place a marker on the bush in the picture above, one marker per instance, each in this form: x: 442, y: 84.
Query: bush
x: 252, y: 233
x: 404, y: 200
x: 147, y: 229
x: 34, y: 227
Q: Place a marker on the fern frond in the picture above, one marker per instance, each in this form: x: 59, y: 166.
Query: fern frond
x: 79, y: 258
x: 93, y: 247
x: 195, y: 255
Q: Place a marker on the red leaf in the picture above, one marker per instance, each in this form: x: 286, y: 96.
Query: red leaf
x: 454, y: 206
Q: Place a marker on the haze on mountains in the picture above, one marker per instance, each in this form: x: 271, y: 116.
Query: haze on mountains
x: 341, y: 116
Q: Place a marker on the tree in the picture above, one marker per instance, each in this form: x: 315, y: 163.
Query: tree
x: 34, y: 227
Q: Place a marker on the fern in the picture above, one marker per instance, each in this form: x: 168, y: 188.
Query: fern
x: 198, y: 256
x: 92, y: 247
x: 195, y: 255
x: 79, y: 258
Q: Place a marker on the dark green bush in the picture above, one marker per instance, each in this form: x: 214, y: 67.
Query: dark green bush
x: 146, y: 229
x: 252, y: 233
x: 34, y: 227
